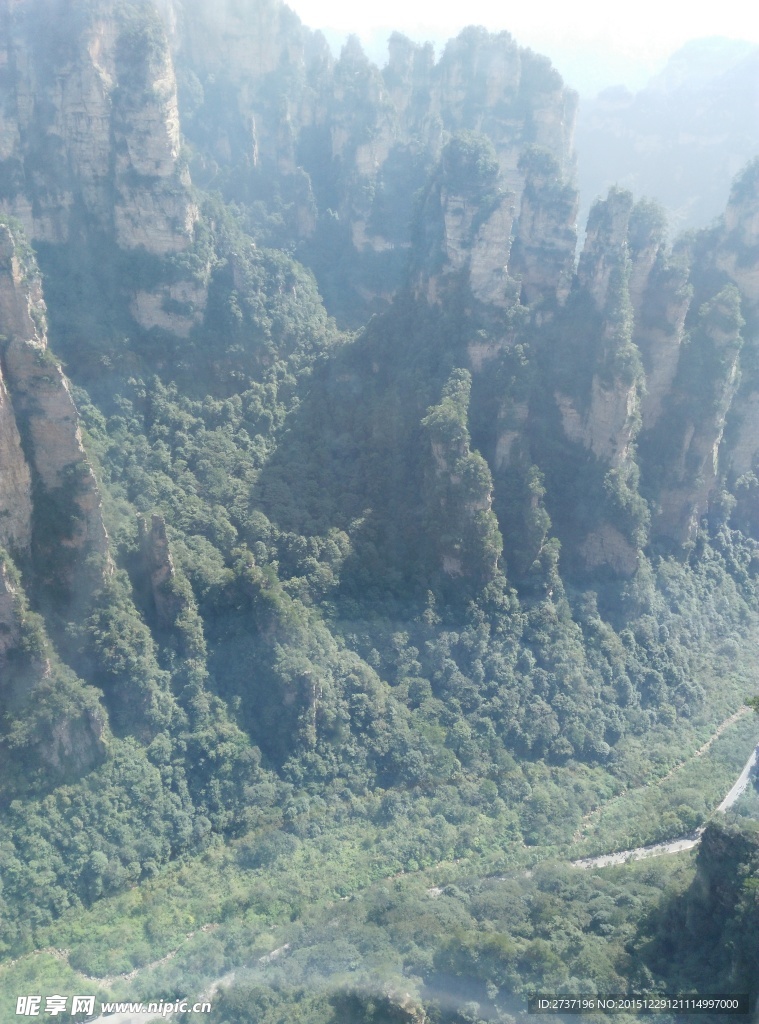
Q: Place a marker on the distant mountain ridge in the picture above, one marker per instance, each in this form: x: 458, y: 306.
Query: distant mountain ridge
x: 682, y: 138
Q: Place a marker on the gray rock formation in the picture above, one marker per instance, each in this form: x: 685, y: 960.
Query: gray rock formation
x: 10, y: 632
x: 543, y: 257
x: 156, y: 553
x: 40, y: 439
x: 90, y: 118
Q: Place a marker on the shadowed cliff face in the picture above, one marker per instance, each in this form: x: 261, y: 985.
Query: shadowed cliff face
x: 49, y: 491
x: 60, y: 736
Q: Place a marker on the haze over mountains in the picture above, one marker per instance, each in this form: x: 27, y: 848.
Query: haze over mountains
x: 354, y: 525
x: 681, y: 138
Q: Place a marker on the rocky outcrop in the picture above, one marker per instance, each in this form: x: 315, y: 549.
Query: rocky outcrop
x: 695, y: 422
x: 90, y: 139
x: 607, y: 547
x: 479, y: 251
x: 608, y: 422
x: 661, y: 304
x: 543, y: 257
x: 701, y: 409
x: 738, y: 250
x: 15, y: 480
x: 462, y: 530
x: 175, y: 307
x: 464, y: 227
x: 737, y: 255
x: 608, y: 426
x: 351, y: 145
x: 75, y: 745
x: 486, y: 83
x: 488, y: 277
x: 168, y: 599
x: 153, y: 208
x: 602, y: 411
x: 10, y: 632
x: 605, y: 249
x: 511, y: 423
x: 36, y: 726
x: 646, y: 244
x: 91, y: 123
x: 43, y: 443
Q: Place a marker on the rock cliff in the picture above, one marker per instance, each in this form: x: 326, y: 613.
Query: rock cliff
x: 89, y: 135
x: 350, y: 144
x: 15, y: 480
x: 10, y: 631
x: 326, y: 155
x: 92, y: 123
x: 464, y: 227
x: 683, y: 456
x: 159, y: 565
x: 90, y: 119
x: 543, y: 256
x: 41, y: 443
x: 700, y: 414
x: 462, y: 530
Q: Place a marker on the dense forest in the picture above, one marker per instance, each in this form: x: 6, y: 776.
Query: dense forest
x: 368, y: 556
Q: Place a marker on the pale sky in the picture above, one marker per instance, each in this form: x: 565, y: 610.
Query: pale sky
x: 623, y: 39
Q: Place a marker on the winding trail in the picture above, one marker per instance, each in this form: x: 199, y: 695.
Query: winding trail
x: 674, y: 845
x: 594, y: 814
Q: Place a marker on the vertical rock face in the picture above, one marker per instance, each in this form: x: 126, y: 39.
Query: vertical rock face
x: 351, y: 144
x: 599, y: 408
x: 459, y: 245
x: 544, y: 251
x: 90, y: 140
x: 41, y: 442
x: 246, y: 39
x: 646, y: 238
x: 89, y: 119
x: 159, y: 565
x: 15, y: 480
x: 153, y: 209
x: 90, y: 126
x: 690, y: 432
x: 464, y: 226
x: 462, y: 530
x: 610, y: 420
x: 486, y: 83
x: 661, y: 310
x: 10, y: 632
x: 701, y: 410
x: 737, y: 254
x: 605, y: 248
x: 69, y: 737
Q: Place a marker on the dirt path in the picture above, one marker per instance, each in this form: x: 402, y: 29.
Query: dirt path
x: 675, y: 845
x: 591, y: 816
